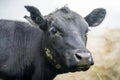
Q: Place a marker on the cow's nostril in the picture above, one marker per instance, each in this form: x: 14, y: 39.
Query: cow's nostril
x: 92, y: 62
x: 78, y: 56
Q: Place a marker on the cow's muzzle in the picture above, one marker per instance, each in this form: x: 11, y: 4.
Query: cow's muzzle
x: 84, y: 59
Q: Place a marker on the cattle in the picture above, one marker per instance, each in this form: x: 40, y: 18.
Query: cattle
x: 50, y: 45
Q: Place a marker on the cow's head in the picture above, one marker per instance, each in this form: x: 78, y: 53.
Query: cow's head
x: 65, y: 36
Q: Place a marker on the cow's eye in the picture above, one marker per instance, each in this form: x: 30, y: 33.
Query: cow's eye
x: 53, y: 30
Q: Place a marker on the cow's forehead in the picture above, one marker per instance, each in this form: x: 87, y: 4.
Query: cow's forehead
x: 65, y: 15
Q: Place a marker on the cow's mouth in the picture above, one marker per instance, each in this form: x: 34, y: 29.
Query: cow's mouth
x: 83, y: 68
x: 79, y: 68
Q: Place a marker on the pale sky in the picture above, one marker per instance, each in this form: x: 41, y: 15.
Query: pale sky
x: 14, y: 9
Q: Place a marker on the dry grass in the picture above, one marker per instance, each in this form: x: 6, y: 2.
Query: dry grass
x: 105, y: 48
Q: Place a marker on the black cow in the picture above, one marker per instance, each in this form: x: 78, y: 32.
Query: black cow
x: 56, y: 44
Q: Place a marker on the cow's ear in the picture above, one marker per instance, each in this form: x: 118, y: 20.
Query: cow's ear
x: 36, y: 17
x: 96, y: 17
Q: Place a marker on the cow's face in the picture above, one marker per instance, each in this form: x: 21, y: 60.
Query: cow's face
x: 65, y: 35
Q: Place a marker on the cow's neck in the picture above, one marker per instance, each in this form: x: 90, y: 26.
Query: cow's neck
x: 50, y: 67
